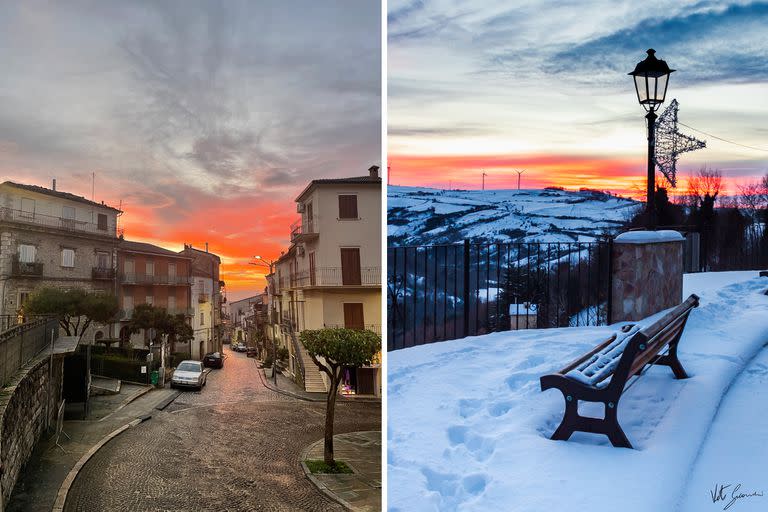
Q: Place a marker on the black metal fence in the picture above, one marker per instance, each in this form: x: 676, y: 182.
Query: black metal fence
x: 21, y: 343
x: 443, y: 292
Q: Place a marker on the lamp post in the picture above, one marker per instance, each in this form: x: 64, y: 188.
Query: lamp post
x: 651, y: 78
x: 270, y: 264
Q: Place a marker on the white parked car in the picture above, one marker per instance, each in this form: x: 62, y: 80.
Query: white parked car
x: 189, y: 374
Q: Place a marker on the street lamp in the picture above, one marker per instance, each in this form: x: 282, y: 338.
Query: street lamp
x: 270, y: 264
x: 651, y: 79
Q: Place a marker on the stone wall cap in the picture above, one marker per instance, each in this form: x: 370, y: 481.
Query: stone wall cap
x: 649, y: 237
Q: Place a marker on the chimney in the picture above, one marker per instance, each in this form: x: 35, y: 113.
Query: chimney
x: 374, y: 171
x: 206, y: 246
x: 53, y: 187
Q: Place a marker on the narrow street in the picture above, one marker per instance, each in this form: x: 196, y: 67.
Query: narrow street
x: 233, y: 446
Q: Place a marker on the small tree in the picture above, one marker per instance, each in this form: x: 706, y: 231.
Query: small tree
x: 147, y: 316
x: 338, y: 348
x: 75, y: 309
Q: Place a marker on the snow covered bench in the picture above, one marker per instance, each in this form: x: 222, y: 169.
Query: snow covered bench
x: 601, y: 375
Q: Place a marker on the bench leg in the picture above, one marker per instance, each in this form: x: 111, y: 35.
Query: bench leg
x: 573, y: 422
x: 568, y: 424
x: 671, y: 360
x: 613, y: 429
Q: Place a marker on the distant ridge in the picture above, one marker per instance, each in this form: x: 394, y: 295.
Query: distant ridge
x: 427, y: 216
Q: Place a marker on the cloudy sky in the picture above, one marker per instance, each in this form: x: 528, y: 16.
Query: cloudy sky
x: 543, y: 86
x: 202, y: 119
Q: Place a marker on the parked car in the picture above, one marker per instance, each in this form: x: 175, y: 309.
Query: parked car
x: 241, y: 347
x: 189, y: 374
x: 214, y: 360
x: 252, y: 352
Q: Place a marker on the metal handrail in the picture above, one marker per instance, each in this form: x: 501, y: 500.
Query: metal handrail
x: 50, y: 221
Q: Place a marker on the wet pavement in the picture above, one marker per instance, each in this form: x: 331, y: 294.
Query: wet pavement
x: 236, y: 445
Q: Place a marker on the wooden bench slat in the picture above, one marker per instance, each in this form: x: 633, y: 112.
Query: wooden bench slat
x: 589, y: 354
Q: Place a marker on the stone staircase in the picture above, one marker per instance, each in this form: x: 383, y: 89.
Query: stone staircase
x: 313, y: 380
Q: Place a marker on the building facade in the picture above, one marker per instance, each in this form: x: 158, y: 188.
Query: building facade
x: 148, y: 274
x: 331, y: 274
x: 50, y: 238
x: 206, y: 301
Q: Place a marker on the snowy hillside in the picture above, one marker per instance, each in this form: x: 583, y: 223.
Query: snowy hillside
x: 432, y: 216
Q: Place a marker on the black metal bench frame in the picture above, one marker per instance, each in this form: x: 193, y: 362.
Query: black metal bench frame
x: 641, y: 350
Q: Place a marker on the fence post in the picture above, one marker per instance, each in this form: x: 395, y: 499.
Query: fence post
x: 466, y: 287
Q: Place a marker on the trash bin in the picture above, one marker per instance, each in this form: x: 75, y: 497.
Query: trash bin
x: 154, y: 377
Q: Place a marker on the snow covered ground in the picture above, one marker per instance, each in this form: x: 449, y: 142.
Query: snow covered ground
x: 468, y: 425
x: 432, y: 216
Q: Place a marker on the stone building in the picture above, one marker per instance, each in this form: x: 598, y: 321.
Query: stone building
x: 50, y: 238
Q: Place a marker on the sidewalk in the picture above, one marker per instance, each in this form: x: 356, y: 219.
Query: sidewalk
x: 289, y: 387
x: 360, y: 491
x: 49, y: 465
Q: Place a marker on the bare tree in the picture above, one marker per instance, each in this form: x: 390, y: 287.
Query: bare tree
x: 705, y: 184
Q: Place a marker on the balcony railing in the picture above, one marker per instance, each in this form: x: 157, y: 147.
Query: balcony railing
x: 127, y: 314
x: 154, y: 279
x: 103, y: 273
x: 25, y: 269
x: 368, y: 327
x: 306, y: 229
x: 334, y: 276
x: 49, y: 221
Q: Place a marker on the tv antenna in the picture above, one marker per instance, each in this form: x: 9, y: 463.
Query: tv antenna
x: 670, y: 143
x: 484, y: 175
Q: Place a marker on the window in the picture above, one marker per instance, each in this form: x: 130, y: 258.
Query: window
x: 129, y: 266
x: 68, y: 217
x: 23, y: 298
x: 27, y: 208
x: 172, y: 272
x: 68, y: 258
x: 149, y: 299
x: 347, y: 207
x: 27, y: 253
x: 171, y: 303
x: 102, y: 222
x: 128, y: 302
x: 103, y: 260
x: 202, y: 318
x: 150, y: 268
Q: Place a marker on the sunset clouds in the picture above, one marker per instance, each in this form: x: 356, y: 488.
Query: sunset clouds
x: 497, y: 87
x: 202, y: 119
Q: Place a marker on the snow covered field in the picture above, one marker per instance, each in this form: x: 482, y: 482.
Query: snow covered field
x: 469, y: 426
x: 432, y: 216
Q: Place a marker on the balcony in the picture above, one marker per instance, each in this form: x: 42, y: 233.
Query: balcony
x: 155, y: 279
x: 334, y: 277
x: 98, y: 273
x: 301, y: 232
x: 127, y: 314
x: 49, y: 221
x: 368, y: 327
x: 26, y: 269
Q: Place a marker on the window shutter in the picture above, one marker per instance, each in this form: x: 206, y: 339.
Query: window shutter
x: 347, y: 207
x: 102, y: 222
x: 67, y: 258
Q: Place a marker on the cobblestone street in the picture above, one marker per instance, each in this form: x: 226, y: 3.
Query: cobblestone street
x: 234, y: 446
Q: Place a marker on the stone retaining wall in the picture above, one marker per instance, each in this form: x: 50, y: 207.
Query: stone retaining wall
x: 27, y: 409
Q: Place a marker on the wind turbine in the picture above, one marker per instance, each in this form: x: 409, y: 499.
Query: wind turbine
x: 519, y: 173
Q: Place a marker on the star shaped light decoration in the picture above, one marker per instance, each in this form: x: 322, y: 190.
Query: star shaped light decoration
x: 670, y: 143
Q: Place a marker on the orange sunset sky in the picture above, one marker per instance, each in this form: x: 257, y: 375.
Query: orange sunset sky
x: 201, y: 120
